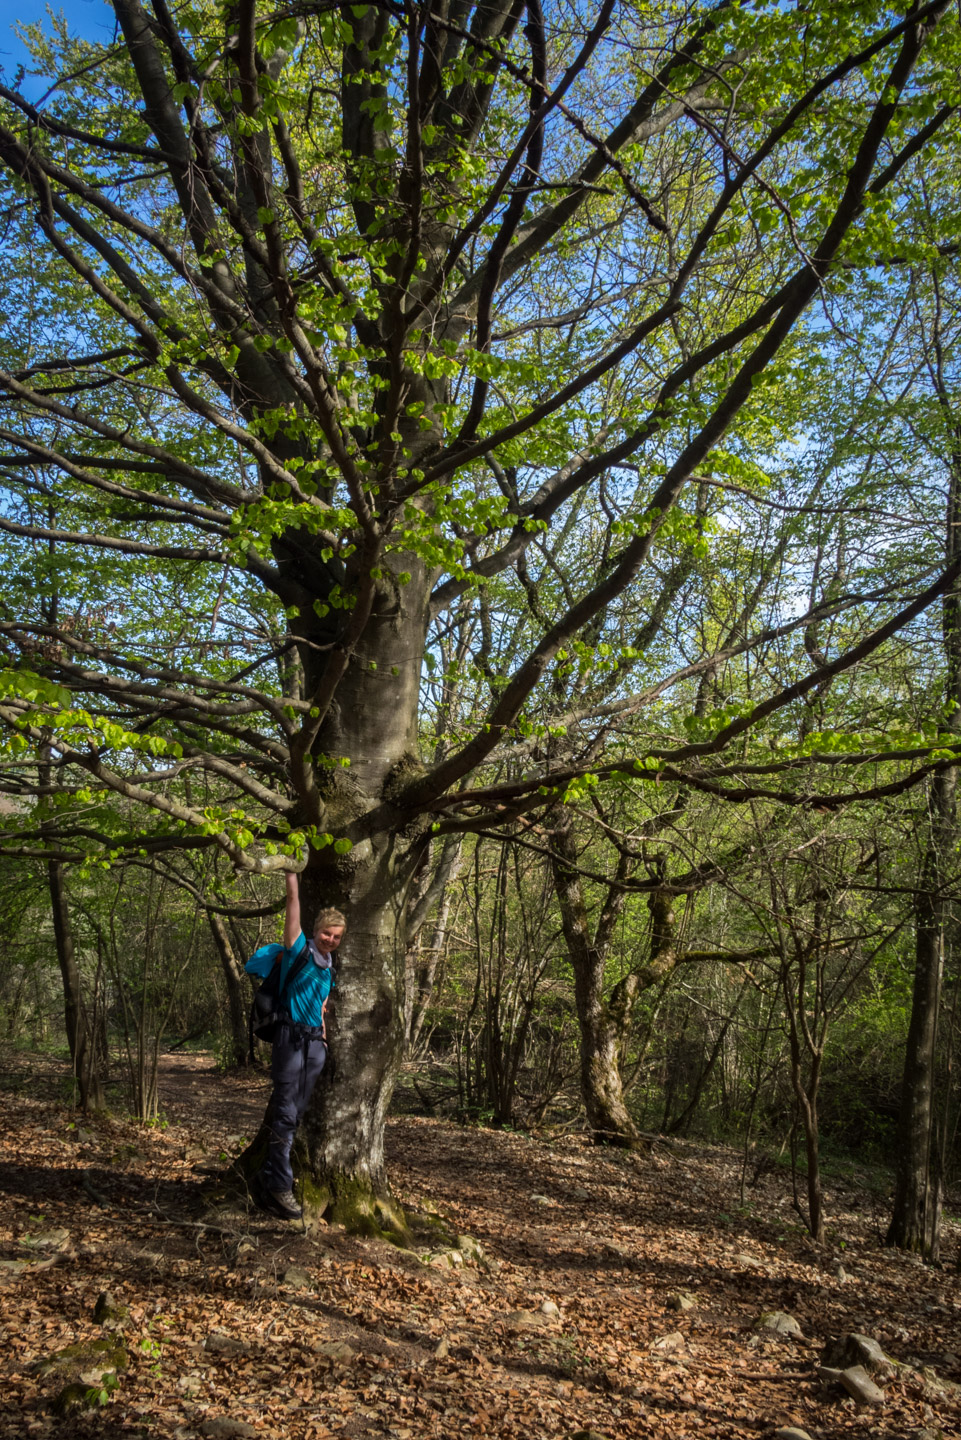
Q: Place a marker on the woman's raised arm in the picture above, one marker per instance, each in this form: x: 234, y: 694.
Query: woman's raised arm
x: 292, y: 926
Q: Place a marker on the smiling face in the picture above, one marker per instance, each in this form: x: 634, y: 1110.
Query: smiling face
x: 328, y: 937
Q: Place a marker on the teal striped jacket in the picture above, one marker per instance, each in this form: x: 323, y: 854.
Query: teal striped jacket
x: 307, y: 995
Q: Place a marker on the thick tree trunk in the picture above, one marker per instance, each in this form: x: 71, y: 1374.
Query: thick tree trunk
x: 363, y: 755
x: 601, y: 1085
x: 344, y: 1126
x: 339, y: 1152
x: 601, y: 1027
x: 83, y: 1050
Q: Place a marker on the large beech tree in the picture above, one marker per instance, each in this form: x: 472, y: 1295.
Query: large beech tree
x: 325, y: 324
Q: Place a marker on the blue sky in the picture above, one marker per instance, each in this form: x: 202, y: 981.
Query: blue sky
x: 91, y: 19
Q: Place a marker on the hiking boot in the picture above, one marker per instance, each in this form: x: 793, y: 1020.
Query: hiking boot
x: 283, y: 1203
x: 275, y: 1202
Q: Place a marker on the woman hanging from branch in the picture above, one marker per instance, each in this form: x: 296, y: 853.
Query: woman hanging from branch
x: 299, y: 1042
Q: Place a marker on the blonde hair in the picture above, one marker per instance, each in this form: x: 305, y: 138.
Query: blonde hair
x: 329, y: 917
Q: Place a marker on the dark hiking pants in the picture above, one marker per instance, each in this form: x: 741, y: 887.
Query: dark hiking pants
x: 295, y: 1065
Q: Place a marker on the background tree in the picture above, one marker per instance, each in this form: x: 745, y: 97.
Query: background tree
x: 916, y: 1218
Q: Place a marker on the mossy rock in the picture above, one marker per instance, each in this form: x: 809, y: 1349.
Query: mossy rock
x: 106, y: 1355
x: 107, y: 1312
x: 430, y: 1230
x: 73, y: 1398
x: 82, y: 1395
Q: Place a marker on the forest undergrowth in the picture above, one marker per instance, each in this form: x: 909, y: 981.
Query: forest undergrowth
x: 619, y: 1295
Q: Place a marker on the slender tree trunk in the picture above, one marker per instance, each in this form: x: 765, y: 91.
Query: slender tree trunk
x: 916, y: 1217
x: 915, y: 1220
x: 807, y: 1032
x: 808, y: 1106
x: 423, y: 961
x: 82, y: 1049
x: 235, y: 981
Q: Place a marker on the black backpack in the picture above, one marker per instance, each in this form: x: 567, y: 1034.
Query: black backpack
x: 268, y: 1012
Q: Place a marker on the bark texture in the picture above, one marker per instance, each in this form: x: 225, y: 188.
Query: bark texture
x: 238, y: 990
x: 79, y: 1035
x: 602, y: 1026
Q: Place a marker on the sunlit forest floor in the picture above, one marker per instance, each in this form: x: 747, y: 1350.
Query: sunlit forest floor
x: 617, y: 1294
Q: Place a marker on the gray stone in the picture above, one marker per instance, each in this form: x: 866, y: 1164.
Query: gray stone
x: 296, y: 1278
x: 337, y: 1351
x: 541, y: 1200
x: 471, y: 1249
x: 100, y: 1355
x: 669, y: 1344
x: 108, y: 1312
x: 47, y: 1240
x: 549, y: 1308
x: 442, y: 1349
x: 72, y: 1399
x: 778, y: 1322
x: 791, y: 1432
x: 854, y: 1349
x: 682, y: 1300
x: 525, y: 1320
x: 856, y: 1381
x: 97, y: 1376
x: 445, y: 1259
x: 935, y: 1384
x: 219, y: 1343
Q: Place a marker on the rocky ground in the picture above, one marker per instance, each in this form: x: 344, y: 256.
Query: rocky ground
x: 614, y: 1296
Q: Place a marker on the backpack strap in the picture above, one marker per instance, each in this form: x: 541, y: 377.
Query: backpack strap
x: 299, y: 965
x: 295, y: 970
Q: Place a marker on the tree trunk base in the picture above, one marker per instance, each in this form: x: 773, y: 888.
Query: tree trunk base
x: 913, y: 1242
x: 358, y: 1205
x: 622, y: 1140
x: 355, y: 1202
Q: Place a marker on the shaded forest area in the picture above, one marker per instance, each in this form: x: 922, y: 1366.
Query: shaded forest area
x: 594, y: 1292
x: 767, y: 1011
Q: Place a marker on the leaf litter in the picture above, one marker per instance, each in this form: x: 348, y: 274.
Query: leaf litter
x: 627, y: 1305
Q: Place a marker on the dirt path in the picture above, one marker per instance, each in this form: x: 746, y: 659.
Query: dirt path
x: 249, y: 1328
